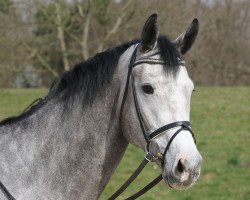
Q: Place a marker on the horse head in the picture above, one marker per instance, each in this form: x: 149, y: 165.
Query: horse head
x: 158, y: 104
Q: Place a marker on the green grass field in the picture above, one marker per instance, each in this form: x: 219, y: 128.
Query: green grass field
x: 221, y: 120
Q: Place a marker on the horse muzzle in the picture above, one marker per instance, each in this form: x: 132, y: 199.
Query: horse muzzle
x: 180, y: 172
x: 184, y: 172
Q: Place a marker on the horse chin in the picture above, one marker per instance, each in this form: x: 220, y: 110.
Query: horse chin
x: 179, y: 184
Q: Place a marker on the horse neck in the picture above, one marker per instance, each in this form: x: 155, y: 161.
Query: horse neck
x: 75, y: 155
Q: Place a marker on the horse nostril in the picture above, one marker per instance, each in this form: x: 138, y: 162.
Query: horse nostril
x: 180, y: 166
x: 181, y: 170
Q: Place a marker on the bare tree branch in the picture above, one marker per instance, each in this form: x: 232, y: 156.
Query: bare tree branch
x: 116, y: 26
x: 61, y: 38
x: 85, y: 33
x: 35, y: 53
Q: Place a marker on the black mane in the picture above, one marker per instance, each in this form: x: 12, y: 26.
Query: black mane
x: 90, y: 77
x: 169, y: 54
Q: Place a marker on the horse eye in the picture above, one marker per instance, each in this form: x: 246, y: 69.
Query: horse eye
x: 148, y: 89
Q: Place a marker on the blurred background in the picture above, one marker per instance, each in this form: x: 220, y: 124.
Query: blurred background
x: 40, y: 39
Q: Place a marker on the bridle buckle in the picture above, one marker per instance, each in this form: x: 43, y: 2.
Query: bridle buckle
x: 149, y: 157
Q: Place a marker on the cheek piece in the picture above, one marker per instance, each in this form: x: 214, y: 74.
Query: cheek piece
x: 150, y: 157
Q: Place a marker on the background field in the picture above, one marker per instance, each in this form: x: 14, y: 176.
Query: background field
x: 220, y: 118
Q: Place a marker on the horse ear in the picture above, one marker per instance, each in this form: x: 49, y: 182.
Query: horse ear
x: 149, y: 33
x: 185, y: 41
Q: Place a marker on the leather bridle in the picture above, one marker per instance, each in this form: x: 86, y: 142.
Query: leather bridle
x: 150, y: 157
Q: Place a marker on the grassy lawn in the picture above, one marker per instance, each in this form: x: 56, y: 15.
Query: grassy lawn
x: 221, y: 121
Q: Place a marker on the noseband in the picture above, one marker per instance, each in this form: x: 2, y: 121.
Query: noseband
x: 150, y: 157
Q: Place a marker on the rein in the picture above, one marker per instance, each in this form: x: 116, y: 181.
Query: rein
x: 150, y: 157
x: 6, y: 192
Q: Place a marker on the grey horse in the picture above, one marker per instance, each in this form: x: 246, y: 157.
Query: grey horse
x: 68, y: 145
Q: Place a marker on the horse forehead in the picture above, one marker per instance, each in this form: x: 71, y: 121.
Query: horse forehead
x: 147, y: 71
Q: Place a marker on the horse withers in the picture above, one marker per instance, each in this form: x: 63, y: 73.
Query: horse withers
x: 68, y: 145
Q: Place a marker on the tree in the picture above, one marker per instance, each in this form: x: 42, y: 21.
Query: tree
x: 67, y: 28
x: 12, y: 54
x: 5, y: 5
x: 53, y: 35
